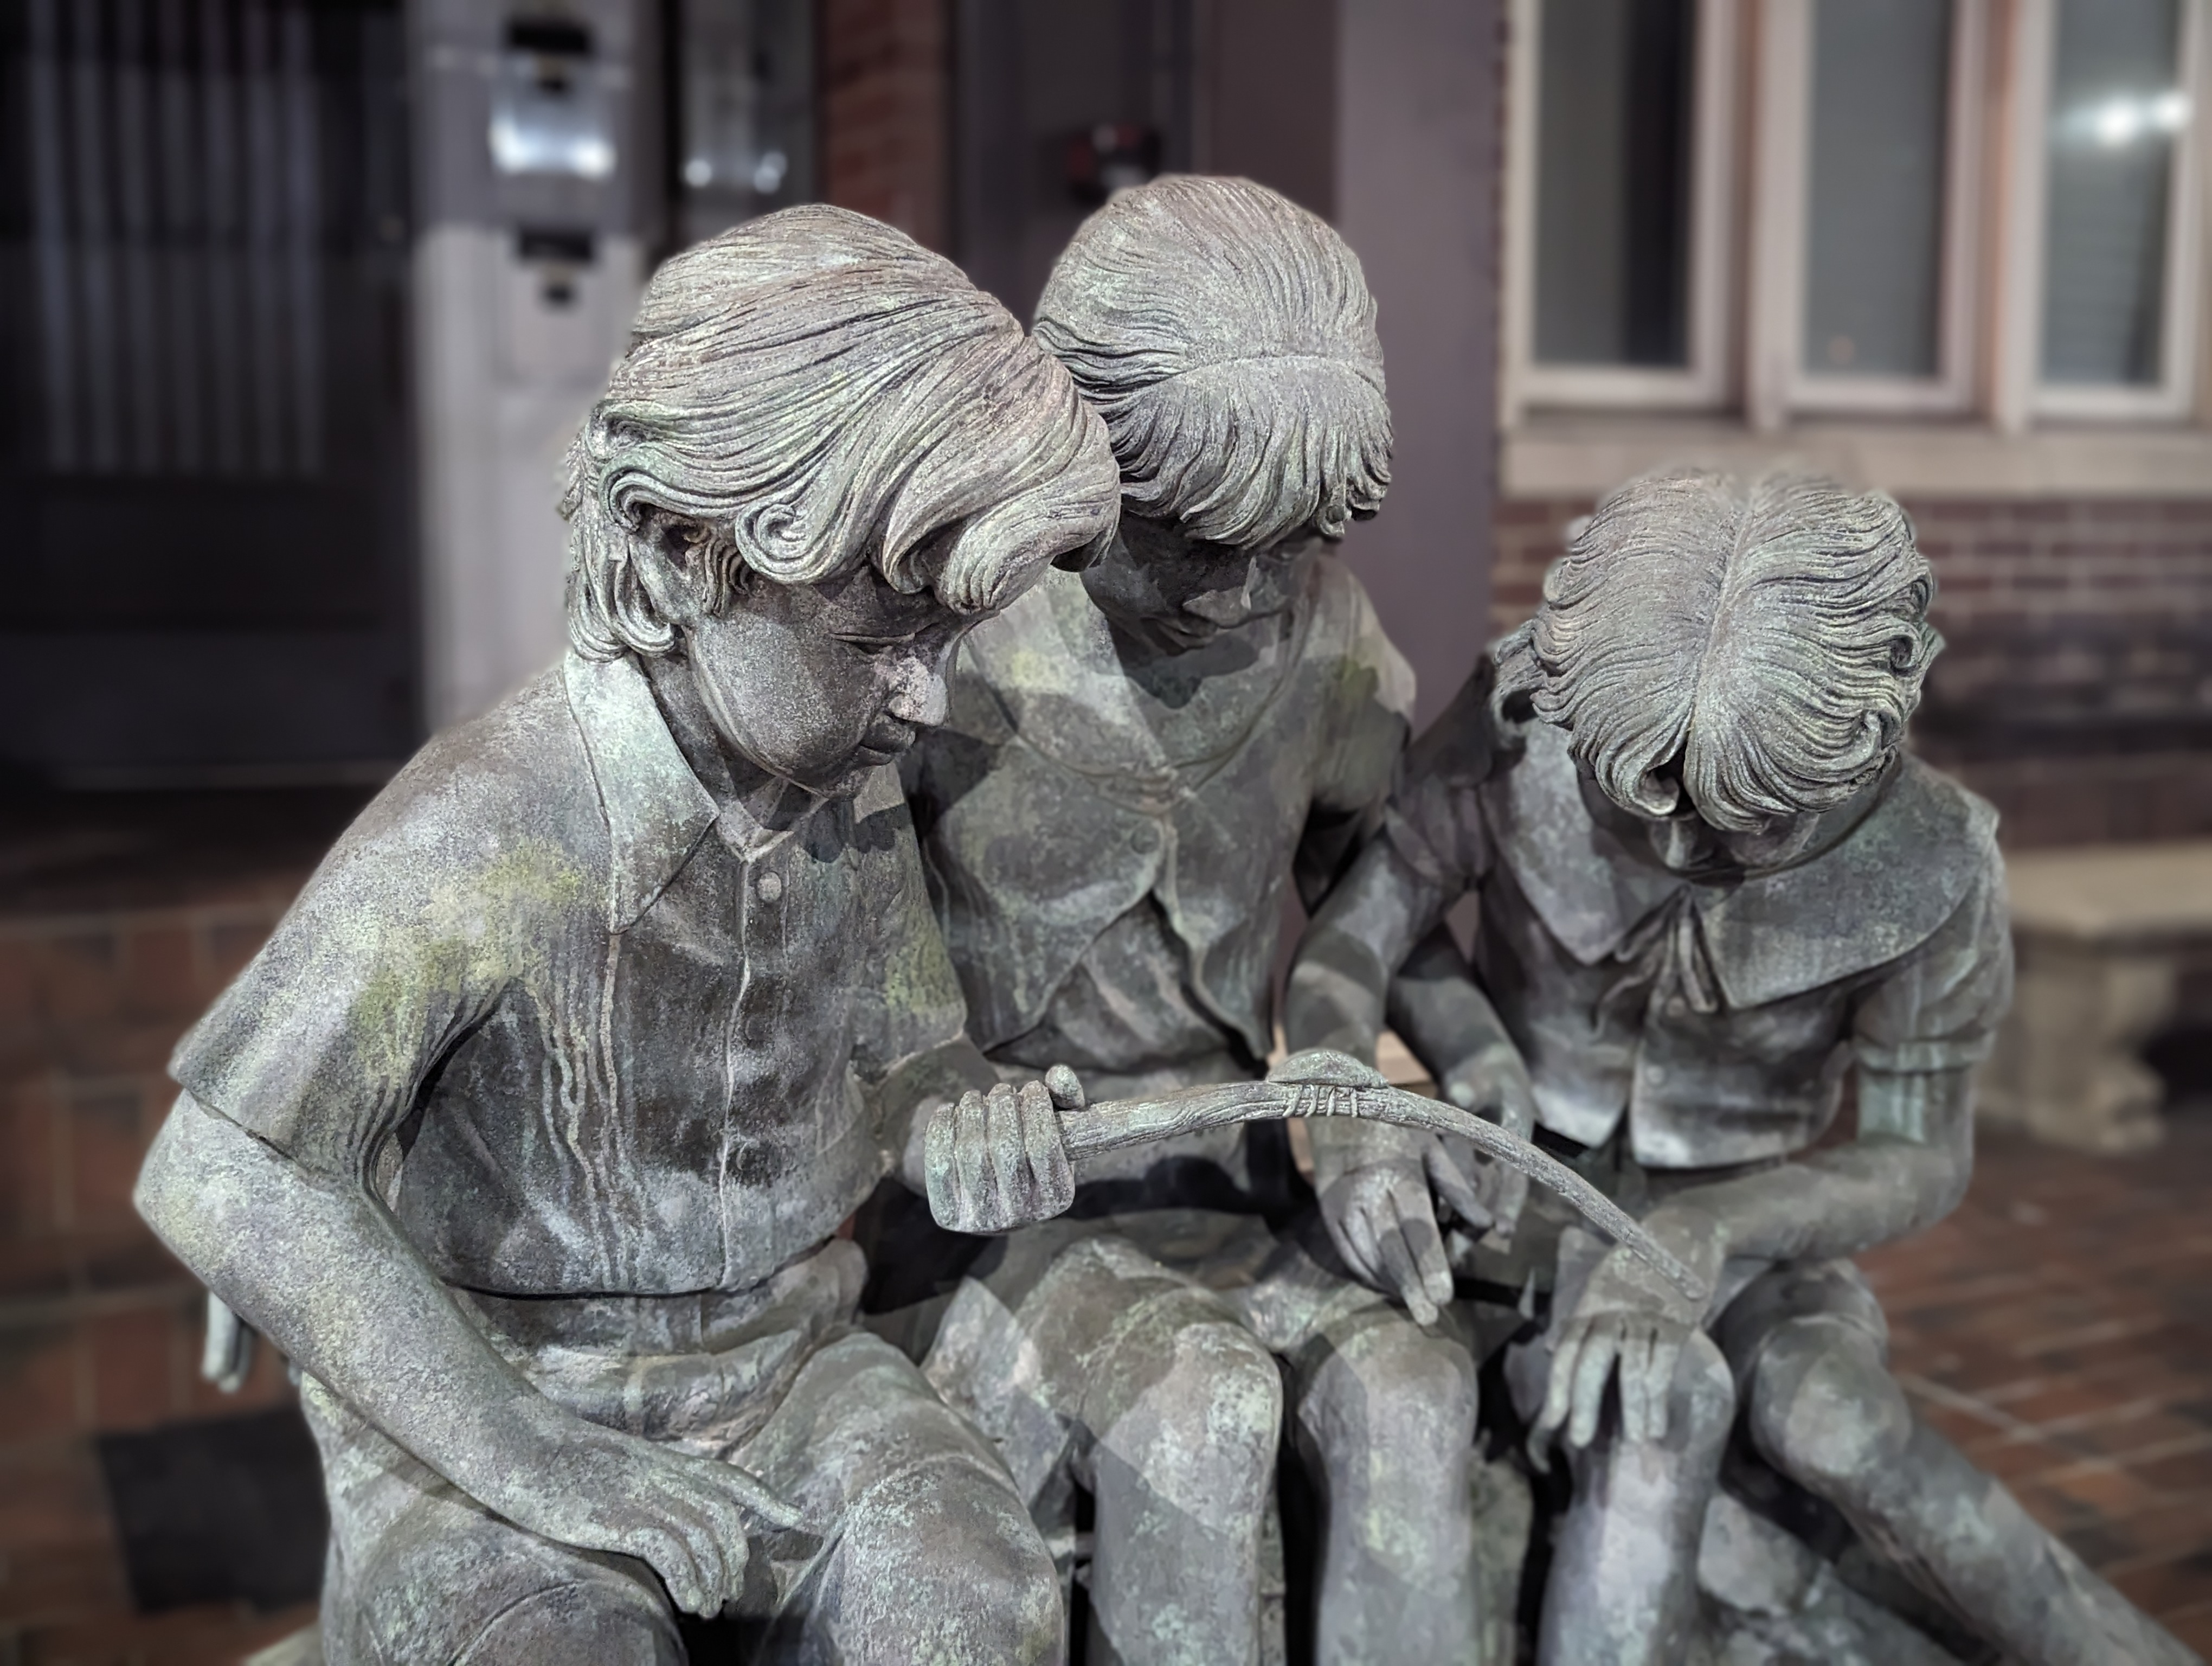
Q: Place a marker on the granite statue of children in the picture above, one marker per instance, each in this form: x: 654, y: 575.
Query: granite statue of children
x: 1712, y: 887
x: 1140, y: 760
x: 528, y: 1135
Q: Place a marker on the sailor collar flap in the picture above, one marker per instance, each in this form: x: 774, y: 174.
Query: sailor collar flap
x: 1051, y: 662
x: 1876, y: 894
x: 656, y: 811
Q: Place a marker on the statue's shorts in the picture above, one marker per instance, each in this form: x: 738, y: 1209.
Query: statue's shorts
x: 915, y: 1547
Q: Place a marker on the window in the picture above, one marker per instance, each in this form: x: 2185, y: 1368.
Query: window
x: 1947, y: 207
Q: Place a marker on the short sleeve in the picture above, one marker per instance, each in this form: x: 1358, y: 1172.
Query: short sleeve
x: 1434, y: 817
x: 1938, y: 1007
x: 321, y: 1045
x: 1370, y: 708
x: 913, y: 1003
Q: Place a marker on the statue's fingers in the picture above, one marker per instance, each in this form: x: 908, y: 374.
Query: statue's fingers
x: 972, y: 1160
x: 1066, y: 1088
x: 1051, y: 1181
x: 1009, y: 1156
x: 1635, y: 1385
x: 1665, y: 1357
x: 1416, y: 1225
x: 1558, y: 1392
x: 1592, y: 1373
x: 1452, y: 1182
x: 1359, y: 1246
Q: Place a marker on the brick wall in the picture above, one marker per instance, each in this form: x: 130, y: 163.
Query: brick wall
x: 884, y: 112
x: 2075, y: 689
x: 100, y: 1328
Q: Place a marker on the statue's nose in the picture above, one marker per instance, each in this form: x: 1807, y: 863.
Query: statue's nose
x: 1229, y: 605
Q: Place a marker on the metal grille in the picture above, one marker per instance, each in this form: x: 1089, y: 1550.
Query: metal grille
x: 175, y: 151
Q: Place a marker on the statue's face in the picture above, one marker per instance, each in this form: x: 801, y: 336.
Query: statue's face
x: 1172, y: 593
x: 821, y: 684
x: 1687, y: 842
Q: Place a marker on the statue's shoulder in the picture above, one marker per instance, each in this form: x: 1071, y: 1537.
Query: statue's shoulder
x: 516, y: 778
x: 1469, y: 743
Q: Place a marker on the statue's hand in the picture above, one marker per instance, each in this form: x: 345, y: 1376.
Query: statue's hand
x: 996, y: 1160
x: 1494, y: 1083
x: 685, y: 1517
x: 1380, y: 1211
x: 1633, y: 1324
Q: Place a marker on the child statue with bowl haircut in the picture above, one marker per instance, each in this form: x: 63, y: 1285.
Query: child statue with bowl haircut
x: 1713, y: 886
x: 1141, y: 761
x: 529, y: 1134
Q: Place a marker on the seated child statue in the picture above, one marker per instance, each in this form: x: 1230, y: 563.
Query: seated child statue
x: 1712, y: 886
x: 528, y: 1135
x: 1140, y: 761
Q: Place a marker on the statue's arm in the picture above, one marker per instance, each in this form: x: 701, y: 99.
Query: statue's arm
x: 1338, y: 992
x: 1907, y: 1170
x: 1918, y: 1032
x: 323, y: 1269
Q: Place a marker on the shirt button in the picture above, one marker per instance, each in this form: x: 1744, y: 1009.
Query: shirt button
x: 1655, y: 1074
x: 1146, y: 837
x: 768, y: 886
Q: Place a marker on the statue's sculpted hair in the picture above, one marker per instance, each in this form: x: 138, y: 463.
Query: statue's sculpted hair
x: 1772, y: 637
x: 813, y: 389
x: 1227, y: 336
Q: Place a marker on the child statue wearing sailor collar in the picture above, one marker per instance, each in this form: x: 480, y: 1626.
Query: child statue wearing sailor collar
x: 1713, y: 884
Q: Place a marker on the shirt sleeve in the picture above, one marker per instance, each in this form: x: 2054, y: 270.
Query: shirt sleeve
x: 1939, y: 1007
x: 321, y: 1045
x: 914, y: 1004
x: 1434, y: 817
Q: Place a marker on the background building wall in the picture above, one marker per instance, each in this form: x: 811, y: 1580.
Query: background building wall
x: 885, y: 112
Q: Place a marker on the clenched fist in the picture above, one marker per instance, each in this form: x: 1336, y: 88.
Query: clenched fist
x: 995, y: 1161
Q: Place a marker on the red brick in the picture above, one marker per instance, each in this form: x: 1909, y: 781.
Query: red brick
x: 31, y: 1176
x: 163, y: 975
x: 108, y: 1134
x: 136, y: 1366
x: 51, y: 1495
x: 39, y: 1387
x: 45, y: 1584
x: 80, y: 972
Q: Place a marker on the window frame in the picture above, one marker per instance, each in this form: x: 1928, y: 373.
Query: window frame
x: 1779, y: 385
x: 2023, y: 394
x: 1704, y: 383
x: 1749, y: 197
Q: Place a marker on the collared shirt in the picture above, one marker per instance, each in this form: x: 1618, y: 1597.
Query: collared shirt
x: 1720, y: 1014
x: 586, y: 1030
x: 1111, y: 905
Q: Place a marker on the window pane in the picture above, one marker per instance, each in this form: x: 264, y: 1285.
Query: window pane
x: 2115, y: 109
x: 1613, y: 181
x: 1882, y: 86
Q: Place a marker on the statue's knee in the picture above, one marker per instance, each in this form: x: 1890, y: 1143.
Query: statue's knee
x: 1824, y: 1411
x: 1218, y: 1401
x: 942, y: 1564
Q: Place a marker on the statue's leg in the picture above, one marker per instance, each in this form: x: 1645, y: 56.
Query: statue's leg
x: 1385, y: 1421
x: 1623, y: 1584
x: 418, y: 1570
x: 927, y: 1553
x: 1824, y: 1411
x: 1181, y: 1414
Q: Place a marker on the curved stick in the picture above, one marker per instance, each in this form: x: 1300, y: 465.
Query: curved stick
x: 1120, y: 1122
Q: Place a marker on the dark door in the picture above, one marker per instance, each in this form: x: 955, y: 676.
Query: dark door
x: 206, y: 553
x: 1059, y: 101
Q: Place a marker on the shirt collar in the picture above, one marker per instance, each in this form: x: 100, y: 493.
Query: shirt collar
x: 655, y: 808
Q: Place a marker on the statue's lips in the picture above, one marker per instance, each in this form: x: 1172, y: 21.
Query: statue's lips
x: 888, y: 739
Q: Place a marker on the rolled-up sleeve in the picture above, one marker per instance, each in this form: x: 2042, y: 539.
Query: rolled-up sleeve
x: 322, y: 1044
x: 1939, y: 1007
